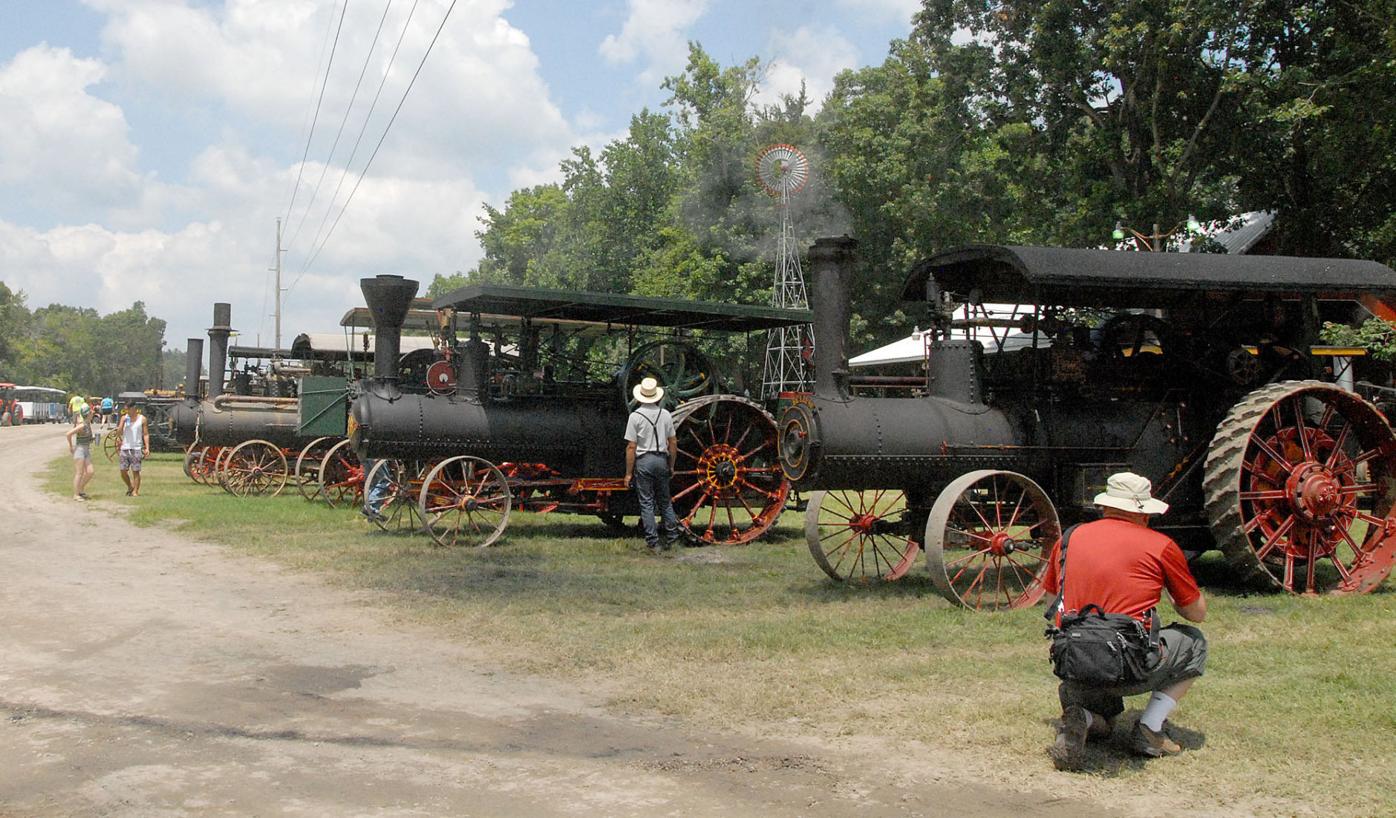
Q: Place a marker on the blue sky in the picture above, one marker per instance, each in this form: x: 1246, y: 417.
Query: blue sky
x: 150, y: 144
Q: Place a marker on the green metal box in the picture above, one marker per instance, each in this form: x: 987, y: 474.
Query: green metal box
x: 324, y: 408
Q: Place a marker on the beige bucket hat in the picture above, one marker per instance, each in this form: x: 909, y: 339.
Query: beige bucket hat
x: 648, y: 391
x: 1128, y: 491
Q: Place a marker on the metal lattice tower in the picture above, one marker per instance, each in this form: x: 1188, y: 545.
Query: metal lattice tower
x: 783, y: 171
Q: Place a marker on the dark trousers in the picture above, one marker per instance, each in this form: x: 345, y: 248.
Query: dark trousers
x: 652, y: 488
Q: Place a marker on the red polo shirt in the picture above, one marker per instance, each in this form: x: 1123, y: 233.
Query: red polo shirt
x: 1122, y: 567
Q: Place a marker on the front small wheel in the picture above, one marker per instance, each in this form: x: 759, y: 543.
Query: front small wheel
x: 988, y: 540
x: 341, y: 477
x: 861, y: 536
x: 465, y: 501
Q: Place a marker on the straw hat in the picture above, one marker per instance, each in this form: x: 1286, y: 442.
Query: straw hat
x: 1128, y: 491
x: 648, y: 391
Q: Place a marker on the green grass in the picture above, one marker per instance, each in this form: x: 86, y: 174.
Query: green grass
x: 1298, y: 707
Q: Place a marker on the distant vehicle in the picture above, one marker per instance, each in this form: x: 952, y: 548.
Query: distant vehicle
x: 30, y: 404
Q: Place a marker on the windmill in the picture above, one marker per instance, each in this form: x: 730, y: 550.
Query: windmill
x: 783, y: 171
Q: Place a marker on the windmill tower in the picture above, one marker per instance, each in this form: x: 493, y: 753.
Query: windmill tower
x: 783, y: 171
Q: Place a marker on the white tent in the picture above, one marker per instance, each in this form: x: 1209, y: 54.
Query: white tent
x: 905, y: 351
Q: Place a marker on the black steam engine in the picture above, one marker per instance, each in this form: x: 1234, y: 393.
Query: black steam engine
x: 241, y: 442
x: 502, y: 426
x: 1049, y: 369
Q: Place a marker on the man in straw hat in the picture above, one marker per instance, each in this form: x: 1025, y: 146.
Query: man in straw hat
x: 1119, y: 564
x: 650, y: 450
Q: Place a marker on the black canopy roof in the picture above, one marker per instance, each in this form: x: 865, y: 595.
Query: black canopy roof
x: 1069, y: 277
x: 616, y: 309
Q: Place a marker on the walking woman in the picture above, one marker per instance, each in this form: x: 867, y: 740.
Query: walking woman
x: 80, y: 444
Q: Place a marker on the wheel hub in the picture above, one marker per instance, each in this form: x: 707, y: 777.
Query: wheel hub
x: 720, y: 466
x: 863, y: 523
x: 1314, y: 492
x: 1001, y: 544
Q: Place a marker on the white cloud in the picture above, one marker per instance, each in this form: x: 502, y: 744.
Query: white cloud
x: 60, y: 146
x: 809, y: 55
x: 655, y: 30
x: 884, y: 9
x: 479, y: 107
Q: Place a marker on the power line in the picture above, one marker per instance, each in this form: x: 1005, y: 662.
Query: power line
x: 368, y: 57
x: 316, y: 117
x: 344, y: 174
x: 319, y: 63
x: 372, y: 156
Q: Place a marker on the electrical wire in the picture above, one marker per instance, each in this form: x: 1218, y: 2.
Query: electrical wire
x: 316, y: 117
x: 373, y: 155
x: 344, y: 174
x: 368, y: 57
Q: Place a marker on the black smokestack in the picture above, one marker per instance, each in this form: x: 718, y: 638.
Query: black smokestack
x: 193, y: 366
x: 388, y: 298
x: 831, y: 263
x: 218, y: 347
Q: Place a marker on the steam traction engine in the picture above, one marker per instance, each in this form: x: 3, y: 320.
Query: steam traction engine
x: 518, y: 422
x: 1201, y: 372
x: 242, y: 442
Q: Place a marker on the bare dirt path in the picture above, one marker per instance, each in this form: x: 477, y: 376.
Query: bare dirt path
x: 145, y: 674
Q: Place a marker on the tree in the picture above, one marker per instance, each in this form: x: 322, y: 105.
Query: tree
x: 14, y: 325
x: 1129, y: 105
x: 1319, y: 146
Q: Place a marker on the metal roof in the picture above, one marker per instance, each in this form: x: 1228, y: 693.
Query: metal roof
x: 338, y: 346
x: 1069, y: 277
x: 420, y: 317
x: 614, y: 309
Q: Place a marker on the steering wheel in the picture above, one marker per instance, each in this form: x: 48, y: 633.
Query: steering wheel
x: 679, y: 366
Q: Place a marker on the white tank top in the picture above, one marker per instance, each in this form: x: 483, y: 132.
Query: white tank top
x: 131, y: 437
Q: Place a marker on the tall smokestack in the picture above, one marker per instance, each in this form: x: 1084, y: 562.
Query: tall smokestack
x: 831, y: 262
x: 388, y: 298
x: 218, y: 347
x: 193, y: 366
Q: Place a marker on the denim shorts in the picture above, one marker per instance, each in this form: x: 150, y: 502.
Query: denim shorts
x: 82, y: 451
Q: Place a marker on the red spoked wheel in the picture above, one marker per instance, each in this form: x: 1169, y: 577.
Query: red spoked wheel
x: 341, y: 476
x: 205, y: 467
x: 191, y: 461
x: 306, y: 474
x: 861, y: 536
x: 255, y: 468
x: 988, y: 539
x: 727, y: 485
x: 393, y: 486
x: 465, y: 501
x: 1300, y: 490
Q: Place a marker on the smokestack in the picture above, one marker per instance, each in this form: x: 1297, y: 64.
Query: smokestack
x: 831, y: 263
x: 388, y: 298
x: 218, y: 347
x: 193, y: 366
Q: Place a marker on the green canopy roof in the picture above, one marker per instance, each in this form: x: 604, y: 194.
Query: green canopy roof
x: 615, y: 309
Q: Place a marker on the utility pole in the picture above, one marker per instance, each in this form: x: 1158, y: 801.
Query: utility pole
x: 279, y: 251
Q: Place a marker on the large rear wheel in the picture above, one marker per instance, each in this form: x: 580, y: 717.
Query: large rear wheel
x: 1299, y: 484
x: 341, y: 476
x: 727, y: 485
x: 255, y: 468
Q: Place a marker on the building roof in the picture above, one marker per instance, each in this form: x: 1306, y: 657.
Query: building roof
x: 614, y: 309
x: 1070, y: 277
x: 338, y: 346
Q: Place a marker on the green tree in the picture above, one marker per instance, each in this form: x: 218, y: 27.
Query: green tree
x: 14, y: 325
x: 1319, y: 145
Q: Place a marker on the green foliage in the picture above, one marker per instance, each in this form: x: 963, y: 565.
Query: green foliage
x: 79, y: 350
x: 1376, y: 335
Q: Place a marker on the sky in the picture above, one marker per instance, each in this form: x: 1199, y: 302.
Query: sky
x: 147, y: 147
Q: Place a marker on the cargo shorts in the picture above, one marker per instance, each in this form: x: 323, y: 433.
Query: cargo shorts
x: 1184, y: 656
x: 130, y: 459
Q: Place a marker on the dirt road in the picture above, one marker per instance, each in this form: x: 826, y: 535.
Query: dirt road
x: 145, y: 674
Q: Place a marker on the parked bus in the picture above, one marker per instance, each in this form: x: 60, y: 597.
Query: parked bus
x: 35, y: 404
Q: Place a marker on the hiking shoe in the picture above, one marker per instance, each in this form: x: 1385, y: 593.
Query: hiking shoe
x: 1146, y: 742
x: 1070, y: 746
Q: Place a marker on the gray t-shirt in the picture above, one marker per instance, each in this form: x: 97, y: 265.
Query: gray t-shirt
x: 650, y: 428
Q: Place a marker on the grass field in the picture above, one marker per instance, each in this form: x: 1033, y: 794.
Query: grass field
x: 1297, y: 714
